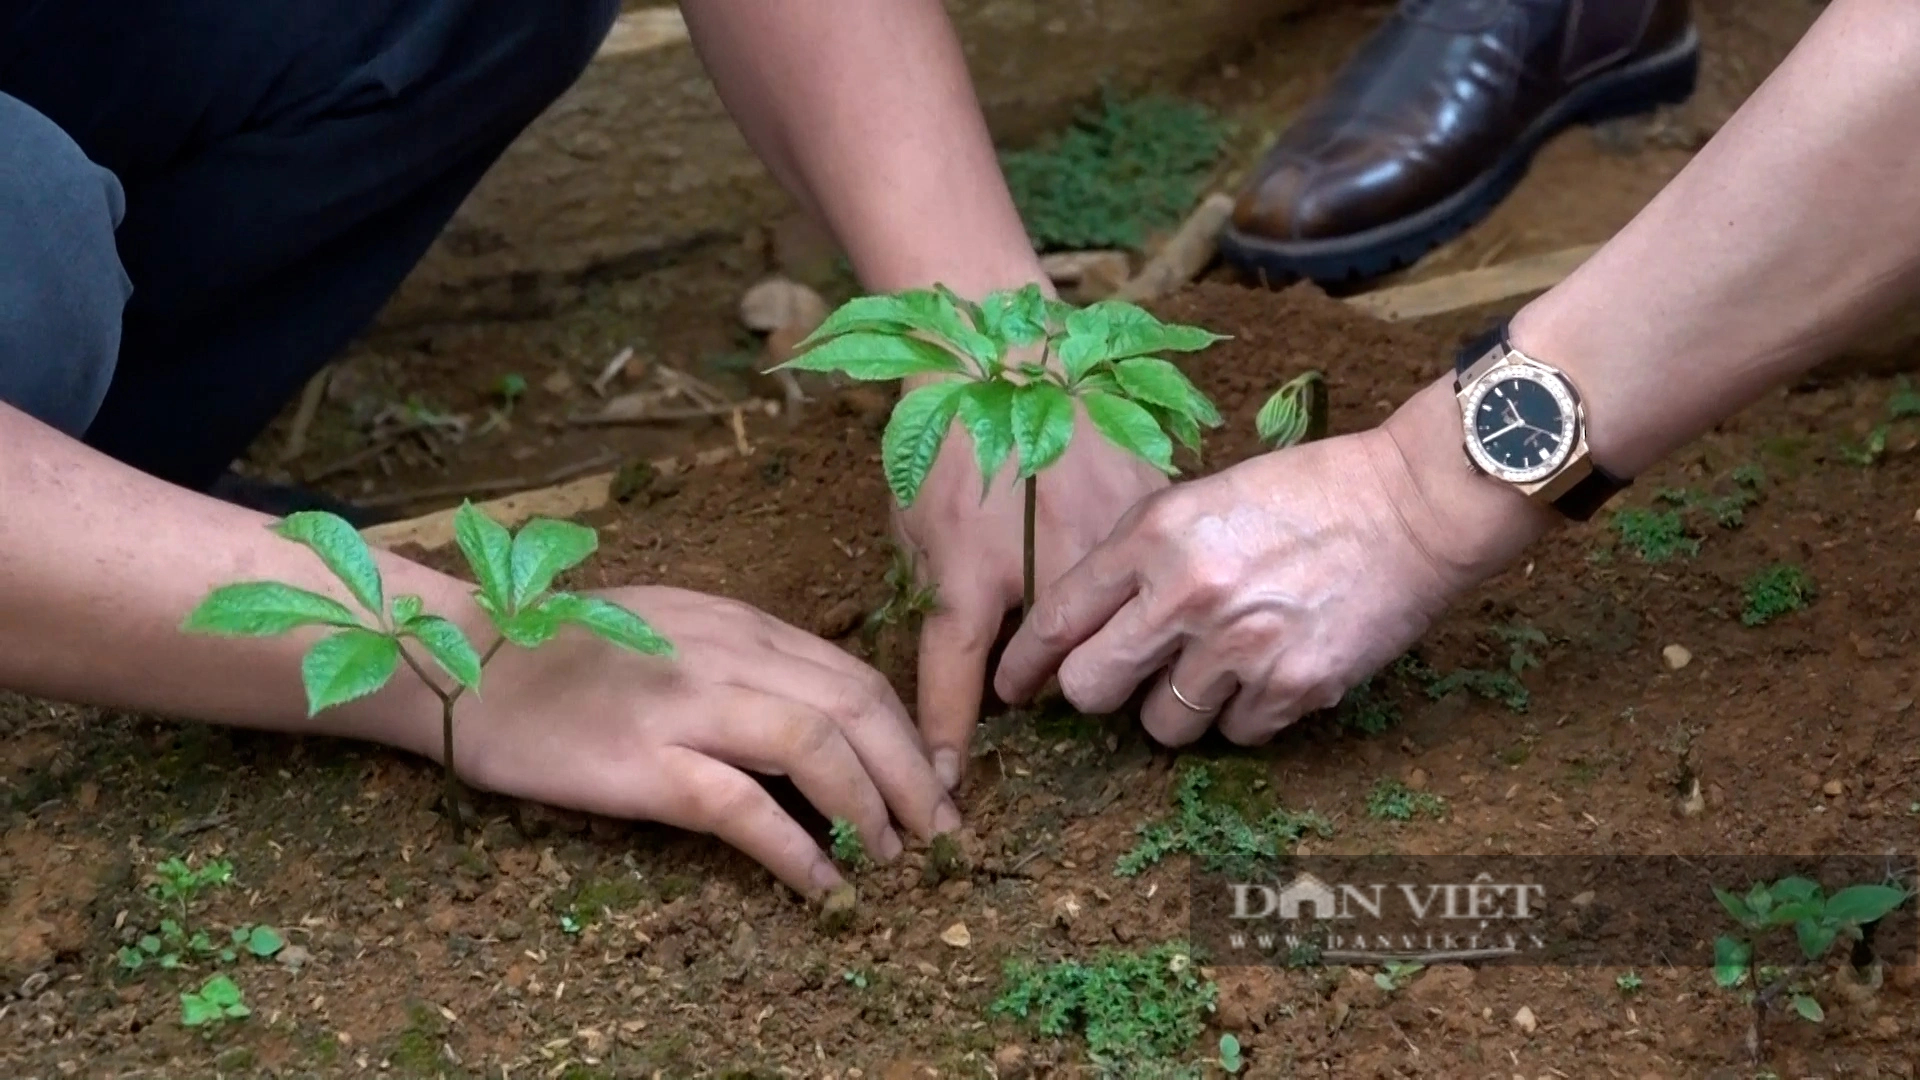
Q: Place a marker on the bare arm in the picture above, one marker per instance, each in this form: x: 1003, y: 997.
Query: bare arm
x: 1787, y: 235
x: 864, y: 110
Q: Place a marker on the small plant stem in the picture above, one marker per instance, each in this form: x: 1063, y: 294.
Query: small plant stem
x: 1033, y: 499
x: 454, y: 788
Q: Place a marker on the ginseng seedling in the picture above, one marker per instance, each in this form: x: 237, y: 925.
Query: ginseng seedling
x: 1102, y: 356
x: 1296, y: 413
x: 357, y: 658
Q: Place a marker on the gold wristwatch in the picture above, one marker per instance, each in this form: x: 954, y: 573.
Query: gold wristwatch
x: 1526, y: 427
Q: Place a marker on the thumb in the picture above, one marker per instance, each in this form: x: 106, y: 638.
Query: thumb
x: 955, y: 642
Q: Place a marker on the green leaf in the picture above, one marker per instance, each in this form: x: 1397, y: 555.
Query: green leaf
x: 196, y: 1011
x: 529, y: 629
x: 1735, y: 906
x: 1296, y: 413
x: 1862, y: 904
x: 1154, y: 381
x: 878, y: 358
x: 488, y: 547
x: 1015, y: 318
x: 149, y: 944
x: 341, y: 548
x: 609, y: 621
x: 348, y: 665
x: 1760, y: 901
x: 1131, y: 428
x: 542, y: 550
x: 1792, y: 912
x: 1815, y: 937
x: 1042, y: 426
x: 1179, y: 425
x: 1796, y: 888
x: 937, y: 311
x: 221, y: 990
x: 264, y: 941
x: 449, y: 648
x: 1808, y: 1008
x: 987, y: 411
x: 881, y: 314
x: 919, y: 425
x: 1084, y: 343
x: 263, y: 609
x: 406, y: 609
x: 1114, y: 330
x: 1730, y: 958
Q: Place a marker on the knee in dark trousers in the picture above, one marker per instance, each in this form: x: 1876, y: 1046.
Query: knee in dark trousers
x: 62, y: 288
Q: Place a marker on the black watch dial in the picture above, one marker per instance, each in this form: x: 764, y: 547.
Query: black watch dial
x: 1523, y: 425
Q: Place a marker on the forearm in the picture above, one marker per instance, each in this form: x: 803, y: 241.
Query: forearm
x: 99, y: 564
x: 864, y: 110
x: 1787, y: 235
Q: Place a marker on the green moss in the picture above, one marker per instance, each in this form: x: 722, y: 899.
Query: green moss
x: 1780, y: 589
x: 1392, y: 800
x: 417, y: 1051
x: 672, y: 887
x: 1656, y: 536
x: 1139, y: 1013
x: 594, y: 897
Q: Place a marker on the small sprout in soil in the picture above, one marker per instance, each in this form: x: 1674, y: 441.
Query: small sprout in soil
x: 1101, y: 358
x: 570, y: 923
x: 1629, y: 983
x: 594, y: 897
x: 1296, y: 413
x: 217, y: 1000
x: 856, y: 978
x: 1521, y: 641
x: 1905, y: 401
x: 1230, y: 1059
x: 847, y: 848
x: 180, y: 884
x: 1223, y: 837
x: 1728, y: 511
x: 515, y: 574
x: 1817, y: 922
x: 909, y: 600
x: 510, y: 390
x: 1656, y: 536
x: 1750, y: 475
x: 260, y: 941
x: 1396, y: 975
x: 945, y: 860
x: 1135, y: 1010
x: 1780, y: 589
x: 1870, y: 450
x: 1500, y: 686
x: 1392, y: 800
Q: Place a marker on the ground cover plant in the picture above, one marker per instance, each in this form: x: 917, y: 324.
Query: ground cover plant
x: 356, y: 657
x: 1013, y: 367
x: 1234, y: 832
x: 1140, y: 1012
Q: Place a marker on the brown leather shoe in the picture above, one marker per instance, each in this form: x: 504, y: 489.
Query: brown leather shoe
x: 1438, y: 116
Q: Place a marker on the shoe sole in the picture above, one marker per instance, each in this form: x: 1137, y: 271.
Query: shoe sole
x: 1666, y: 78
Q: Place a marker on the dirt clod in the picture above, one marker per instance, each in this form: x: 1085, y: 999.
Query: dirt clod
x: 837, y: 911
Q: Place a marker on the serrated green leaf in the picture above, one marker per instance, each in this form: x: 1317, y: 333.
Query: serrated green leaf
x: 1042, y: 425
x: 348, y: 665
x: 1015, y: 318
x: 1296, y: 413
x: 937, y: 311
x: 1730, y: 957
x: 406, y: 609
x: 1179, y: 425
x: 529, y: 629
x: 341, y: 547
x: 609, y: 621
x: 1131, y: 428
x: 488, y: 547
x: 914, y: 434
x: 986, y: 410
x: 872, y: 357
x: 541, y: 550
x: 264, y: 609
x: 881, y: 314
x: 449, y: 648
x: 1150, y: 380
x: 1114, y: 330
x: 1862, y: 904
x: 1083, y: 344
x: 1808, y: 1008
x: 264, y: 941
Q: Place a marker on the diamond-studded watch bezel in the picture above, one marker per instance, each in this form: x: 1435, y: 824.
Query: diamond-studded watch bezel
x: 1562, y: 396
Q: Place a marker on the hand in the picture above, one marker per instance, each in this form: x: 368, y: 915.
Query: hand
x: 582, y: 725
x: 1267, y: 590
x: 973, y: 551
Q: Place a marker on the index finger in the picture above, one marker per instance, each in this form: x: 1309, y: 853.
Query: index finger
x: 1066, y: 614
x: 955, y: 642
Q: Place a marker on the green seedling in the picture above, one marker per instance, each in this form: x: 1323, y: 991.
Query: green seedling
x: 1501, y: 686
x: 179, y: 884
x: 1728, y: 511
x: 510, y: 389
x: 1230, y: 1058
x: 1396, y: 975
x: 1139, y: 1012
x: 1521, y: 641
x: 908, y: 599
x: 1628, y: 983
x: 1392, y: 800
x: 1751, y: 475
x: 856, y: 979
x: 1102, y: 357
x: 356, y: 657
x: 1656, y: 536
x: 1216, y: 833
x: 1780, y: 589
x: 846, y: 847
x: 1817, y: 923
x: 1904, y: 404
x: 1296, y: 413
x: 218, y: 1000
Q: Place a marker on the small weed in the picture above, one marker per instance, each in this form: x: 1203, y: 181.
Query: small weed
x: 855, y: 978
x: 1751, y: 476
x: 909, y: 601
x: 1392, y: 800
x: 1905, y: 401
x: 847, y: 848
x: 180, y: 884
x: 593, y: 898
x: 1727, y: 511
x: 1396, y: 975
x: 1870, y: 450
x: 217, y: 1000
x: 1629, y: 983
x: 417, y: 1051
x: 510, y: 389
x: 1223, y: 837
x: 1367, y: 709
x: 1230, y: 1059
x: 1500, y: 686
x: 1656, y: 536
x: 1139, y: 1012
x: 1780, y: 589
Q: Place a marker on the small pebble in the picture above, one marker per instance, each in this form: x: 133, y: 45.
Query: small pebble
x: 1677, y: 656
x: 1524, y: 1020
x: 957, y: 936
x: 1834, y: 789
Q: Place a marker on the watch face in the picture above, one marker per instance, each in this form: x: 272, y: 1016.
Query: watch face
x: 1521, y: 424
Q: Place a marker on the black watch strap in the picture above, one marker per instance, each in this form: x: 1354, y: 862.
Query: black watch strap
x: 1582, y: 500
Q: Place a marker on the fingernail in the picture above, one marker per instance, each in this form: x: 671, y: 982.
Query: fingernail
x: 946, y: 818
x: 825, y: 878
x: 890, y: 846
x: 946, y: 766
